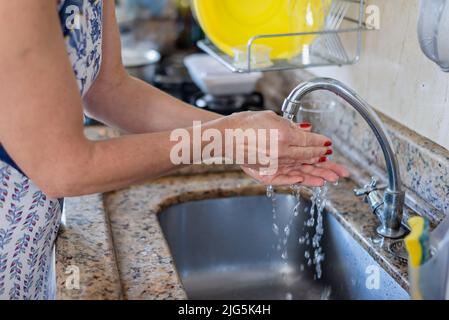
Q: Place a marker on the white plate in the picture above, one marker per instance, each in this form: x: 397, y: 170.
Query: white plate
x: 136, y: 57
x: 215, y: 79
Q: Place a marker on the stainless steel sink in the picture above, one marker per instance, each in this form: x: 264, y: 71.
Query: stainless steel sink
x: 226, y: 249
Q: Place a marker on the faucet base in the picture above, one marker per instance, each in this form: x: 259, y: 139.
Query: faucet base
x: 390, y: 233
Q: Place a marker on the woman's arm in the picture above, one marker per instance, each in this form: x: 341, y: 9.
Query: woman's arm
x: 134, y: 106
x: 41, y: 117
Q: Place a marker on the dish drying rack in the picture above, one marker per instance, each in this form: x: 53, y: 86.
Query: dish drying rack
x: 339, y: 43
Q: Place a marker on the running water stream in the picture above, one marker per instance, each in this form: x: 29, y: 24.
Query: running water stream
x: 313, y: 229
x: 282, y: 232
x: 312, y: 234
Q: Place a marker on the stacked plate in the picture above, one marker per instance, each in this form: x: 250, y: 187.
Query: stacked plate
x: 230, y: 24
x: 214, y: 79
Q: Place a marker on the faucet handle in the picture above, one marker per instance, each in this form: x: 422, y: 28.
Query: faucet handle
x: 371, y: 195
x: 368, y: 188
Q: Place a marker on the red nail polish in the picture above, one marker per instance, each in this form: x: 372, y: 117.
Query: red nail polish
x: 328, y: 143
x: 329, y: 152
x: 322, y: 159
x: 305, y: 125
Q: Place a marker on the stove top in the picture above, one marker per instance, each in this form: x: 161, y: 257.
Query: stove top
x: 172, y: 77
x: 227, y: 105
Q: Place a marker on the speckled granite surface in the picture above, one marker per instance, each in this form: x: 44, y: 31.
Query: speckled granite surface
x: 84, y: 251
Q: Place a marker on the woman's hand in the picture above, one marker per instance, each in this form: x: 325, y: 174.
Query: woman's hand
x: 308, y: 175
x: 300, y: 155
x: 292, y: 146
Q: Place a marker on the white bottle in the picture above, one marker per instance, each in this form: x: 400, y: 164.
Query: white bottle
x: 433, y: 30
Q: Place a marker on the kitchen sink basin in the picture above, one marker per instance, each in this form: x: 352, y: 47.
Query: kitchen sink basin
x: 226, y: 249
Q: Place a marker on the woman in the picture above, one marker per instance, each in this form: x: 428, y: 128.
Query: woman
x: 53, y: 65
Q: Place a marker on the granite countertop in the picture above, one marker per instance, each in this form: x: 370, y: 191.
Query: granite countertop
x: 116, y: 243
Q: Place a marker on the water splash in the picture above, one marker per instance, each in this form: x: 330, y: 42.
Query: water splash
x: 282, y: 237
x: 313, y: 230
x: 314, y: 223
x: 275, y: 229
x: 270, y: 191
x: 296, y: 190
x: 326, y: 293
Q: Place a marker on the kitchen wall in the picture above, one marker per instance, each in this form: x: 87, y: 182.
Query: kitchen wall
x: 395, y: 76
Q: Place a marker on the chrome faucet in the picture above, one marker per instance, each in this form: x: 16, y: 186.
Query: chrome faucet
x: 389, y: 207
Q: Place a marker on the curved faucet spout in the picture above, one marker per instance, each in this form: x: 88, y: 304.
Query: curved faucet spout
x: 390, y: 212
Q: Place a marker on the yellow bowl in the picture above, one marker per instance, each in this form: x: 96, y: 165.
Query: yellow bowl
x: 232, y: 23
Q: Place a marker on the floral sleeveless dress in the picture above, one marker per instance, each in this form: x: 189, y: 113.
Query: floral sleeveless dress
x: 29, y: 220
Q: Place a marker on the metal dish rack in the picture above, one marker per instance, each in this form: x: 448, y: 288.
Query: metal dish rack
x: 339, y: 43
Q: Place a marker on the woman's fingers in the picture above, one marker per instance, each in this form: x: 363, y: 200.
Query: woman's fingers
x: 302, y: 155
x: 283, y: 180
x: 307, y: 179
x: 322, y: 163
x: 314, y: 139
x: 338, y: 169
x: 312, y: 181
x: 278, y: 179
x: 301, y: 138
x: 309, y: 153
x: 305, y: 126
x: 323, y: 173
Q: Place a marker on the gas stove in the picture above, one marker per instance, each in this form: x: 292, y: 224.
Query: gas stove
x: 173, y: 78
x: 229, y: 104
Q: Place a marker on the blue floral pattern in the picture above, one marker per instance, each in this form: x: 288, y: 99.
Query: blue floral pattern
x: 83, y: 38
x: 29, y: 220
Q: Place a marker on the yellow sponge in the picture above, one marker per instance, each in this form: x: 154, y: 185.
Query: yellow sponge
x: 417, y: 242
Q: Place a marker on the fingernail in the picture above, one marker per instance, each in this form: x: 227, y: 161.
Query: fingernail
x: 329, y: 152
x: 305, y: 125
x: 328, y: 143
x: 322, y: 159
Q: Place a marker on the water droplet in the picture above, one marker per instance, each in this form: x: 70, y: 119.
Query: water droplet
x: 275, y: 229
x: 310, y: 222
x: 270, y: 191
x: 288, y: 296
x: 326, y: 293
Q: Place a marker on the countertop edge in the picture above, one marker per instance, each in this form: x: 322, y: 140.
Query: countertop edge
x: 86, y: 267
